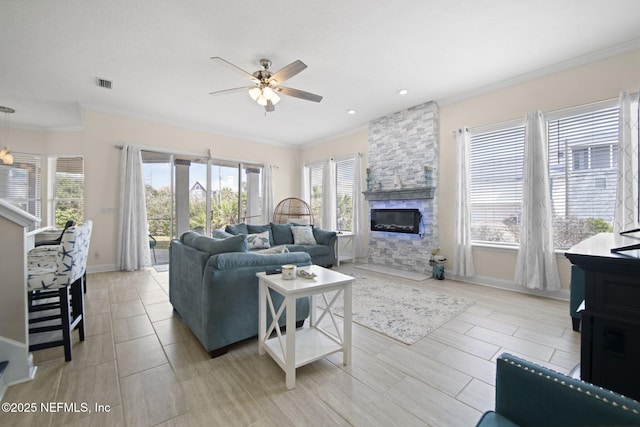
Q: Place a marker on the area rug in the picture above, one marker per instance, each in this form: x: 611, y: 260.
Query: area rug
x: 399, y: 311
x: 161, y: 268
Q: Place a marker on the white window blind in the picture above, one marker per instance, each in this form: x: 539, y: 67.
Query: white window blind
x: 69, y: 190
x: 583, y: 164
x: 345, y: 182
x: 496, y: 159
x: 21, y: 182
x: 315, y: 190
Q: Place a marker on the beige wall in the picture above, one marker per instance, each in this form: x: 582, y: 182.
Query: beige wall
x: 97, y: 141
x: 344, y: 145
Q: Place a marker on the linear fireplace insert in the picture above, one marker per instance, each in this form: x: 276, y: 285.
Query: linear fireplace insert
x: 396, y: 220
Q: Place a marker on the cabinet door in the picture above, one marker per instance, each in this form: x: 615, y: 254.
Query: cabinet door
x: 615, y: 354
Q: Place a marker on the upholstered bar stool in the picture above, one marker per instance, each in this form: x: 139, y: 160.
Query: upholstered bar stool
x: 55, y: 288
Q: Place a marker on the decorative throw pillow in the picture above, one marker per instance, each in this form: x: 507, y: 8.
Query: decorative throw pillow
x: 282, y: 249
x: 254, y: 229
x: 237, y: 229
x: 303, y: 236
x: 281, y: 234
x: 219, y: 246
x: 221, y: 234
x: 258, y: 240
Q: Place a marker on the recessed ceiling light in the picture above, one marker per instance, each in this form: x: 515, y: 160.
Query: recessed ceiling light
x: 351, y: 111
x: 402, y: 92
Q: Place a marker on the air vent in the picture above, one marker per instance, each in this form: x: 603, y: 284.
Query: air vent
x: 103, y: 83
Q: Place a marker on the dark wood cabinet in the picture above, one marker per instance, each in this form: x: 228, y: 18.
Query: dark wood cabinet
x: 610, y: 341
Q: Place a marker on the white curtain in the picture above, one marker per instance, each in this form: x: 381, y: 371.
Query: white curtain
x: 133, y: 230
x: 358, y: 221
x: 536, y: 265
x: 267, y: 194
x: 626, y: 214
x: 462, y: 255
x: 305, y: 194
x: 329, y: 195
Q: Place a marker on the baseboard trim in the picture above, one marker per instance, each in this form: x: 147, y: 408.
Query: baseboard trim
x: 411, y: 275
x: 509, y: 285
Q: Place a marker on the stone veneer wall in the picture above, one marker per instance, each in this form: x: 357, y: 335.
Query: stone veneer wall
x: 400, y: 145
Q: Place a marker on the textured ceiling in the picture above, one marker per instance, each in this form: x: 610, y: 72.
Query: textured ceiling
x: 359, y: 54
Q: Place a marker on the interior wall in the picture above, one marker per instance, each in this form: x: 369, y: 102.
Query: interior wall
x: 97, y: 143
x: 581, y: 85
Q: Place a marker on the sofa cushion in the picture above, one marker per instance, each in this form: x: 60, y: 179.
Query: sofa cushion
x: 303, y: 236
x: 218, y: 246
x: 234, y: 261
x: 282, y: 234
x: 236, y: 229
x: 258, y: 240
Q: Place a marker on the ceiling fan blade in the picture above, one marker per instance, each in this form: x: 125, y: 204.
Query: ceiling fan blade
x: 289, y: 71
x: 235, y: 68
x: 235, y: 89
x: 307, y: 96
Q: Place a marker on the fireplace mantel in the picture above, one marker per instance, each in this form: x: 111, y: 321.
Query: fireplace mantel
x: 400, y: 194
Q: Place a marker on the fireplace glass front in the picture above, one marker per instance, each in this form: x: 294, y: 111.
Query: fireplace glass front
x: 396, y: 220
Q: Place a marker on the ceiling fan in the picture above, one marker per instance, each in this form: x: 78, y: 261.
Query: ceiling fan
x: 266, y: 88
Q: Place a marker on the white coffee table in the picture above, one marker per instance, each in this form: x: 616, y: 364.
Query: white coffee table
x: 297, y: 348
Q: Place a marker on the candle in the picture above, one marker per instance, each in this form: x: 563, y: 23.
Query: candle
x: 427, y: 167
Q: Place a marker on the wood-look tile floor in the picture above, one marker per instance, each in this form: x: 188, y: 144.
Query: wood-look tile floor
x: 140, y: 366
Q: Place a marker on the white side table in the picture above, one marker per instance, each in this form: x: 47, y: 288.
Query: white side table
x: 346, y: 239
x: 298, y: 348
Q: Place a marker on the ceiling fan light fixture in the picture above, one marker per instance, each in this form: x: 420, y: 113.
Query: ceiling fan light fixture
x: 275, y: 99
x: 255, y: 93
x: 268, y: 93
x: 262, y: 100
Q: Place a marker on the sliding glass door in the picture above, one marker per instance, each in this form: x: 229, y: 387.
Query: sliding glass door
x: 186, y: 193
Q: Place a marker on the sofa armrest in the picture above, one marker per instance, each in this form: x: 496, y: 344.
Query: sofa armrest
x: 531, y: 395
x: 324, y: 237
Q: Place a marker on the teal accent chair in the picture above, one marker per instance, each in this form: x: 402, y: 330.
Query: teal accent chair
x: 530, y: 395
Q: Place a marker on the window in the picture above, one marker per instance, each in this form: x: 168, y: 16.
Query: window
x: 21, y: 182
x: 583, y: 162
x: 345, y: 182
x: 583, y: 192
x: 496, y: 184
x: 68, y: 190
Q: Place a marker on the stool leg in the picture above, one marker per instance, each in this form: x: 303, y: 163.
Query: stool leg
x: 77, y: 304
x: 64, y: 312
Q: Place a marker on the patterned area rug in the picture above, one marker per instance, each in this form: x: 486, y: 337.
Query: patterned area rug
x: 402, y: 312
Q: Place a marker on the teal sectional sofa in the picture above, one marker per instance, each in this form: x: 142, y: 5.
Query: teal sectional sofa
x: 321, y: 247
x: 530, y: 395
x: 214, y: 288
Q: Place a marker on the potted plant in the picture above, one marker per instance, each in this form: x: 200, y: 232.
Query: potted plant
x: 437, y: 262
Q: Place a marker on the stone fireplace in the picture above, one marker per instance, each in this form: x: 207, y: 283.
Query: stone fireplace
x: 401, y: 146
